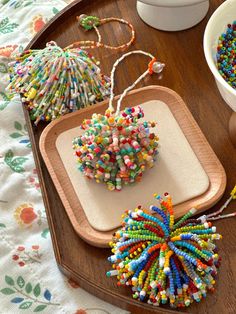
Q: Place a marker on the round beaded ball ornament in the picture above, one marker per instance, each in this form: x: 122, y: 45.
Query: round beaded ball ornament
x: 55, y: 81
x: 116, y: 148
x: 162, y: 260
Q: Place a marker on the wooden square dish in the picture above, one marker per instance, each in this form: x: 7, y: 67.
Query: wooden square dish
x: 60, y: 173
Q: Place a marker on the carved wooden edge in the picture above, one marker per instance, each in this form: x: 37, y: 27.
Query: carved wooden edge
x: 191, y: 130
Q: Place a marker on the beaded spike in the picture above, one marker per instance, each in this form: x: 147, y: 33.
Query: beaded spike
x: 117, y: 149
x: 162, y: 260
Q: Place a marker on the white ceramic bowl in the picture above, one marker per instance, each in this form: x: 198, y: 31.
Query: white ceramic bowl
x: 172, y: 15
x: 225, y: 14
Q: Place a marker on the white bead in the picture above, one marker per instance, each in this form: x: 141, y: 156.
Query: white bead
x: 92, y: 98
x: 162, y: 262
x: 153, y: 284
x: 139, y: 212
x: 193, y: 211
x: 82, y: 17
x: 157, y: 67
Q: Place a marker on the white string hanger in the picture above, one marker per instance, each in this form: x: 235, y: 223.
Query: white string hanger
x: 153, y: 67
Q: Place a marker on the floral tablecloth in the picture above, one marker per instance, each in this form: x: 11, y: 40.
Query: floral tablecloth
x: 29, y: 278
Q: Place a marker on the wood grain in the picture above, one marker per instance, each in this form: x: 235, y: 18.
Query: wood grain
x: 196, y: 139
x: 232, y: 128
x: 187, y: 73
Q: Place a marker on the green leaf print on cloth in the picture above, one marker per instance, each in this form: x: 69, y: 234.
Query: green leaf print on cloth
x: 18, y: 3
x: 3, y: 68
x: 27, y: 296
x: 6, y: 27
x: 5, y: 96
x: 5, y: 1
x: 21, y: 132
x: 6, y: 100
x: 45, y: 233
x: 55, y: 10
x: 16, y: 164
x: 3, y: 105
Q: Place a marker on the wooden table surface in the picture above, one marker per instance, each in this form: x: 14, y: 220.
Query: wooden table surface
x: 187, y: 73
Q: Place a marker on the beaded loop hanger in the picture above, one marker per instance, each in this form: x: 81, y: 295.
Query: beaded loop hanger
x: 153, y: 67
x: 116, y: 148
x: 92, y: 22
x: 54, y: 81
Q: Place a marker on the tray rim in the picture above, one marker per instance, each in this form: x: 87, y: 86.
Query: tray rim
x: 101, y: 238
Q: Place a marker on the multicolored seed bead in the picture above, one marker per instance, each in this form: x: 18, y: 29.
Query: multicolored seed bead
x: 116, y: 149
x: 163, y: 261
x: 226, y: 55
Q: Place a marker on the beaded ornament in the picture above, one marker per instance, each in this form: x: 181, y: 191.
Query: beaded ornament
x: 116, y: 148
x: 226, y: 55
x: 162, y: 260
x: 55, y: 81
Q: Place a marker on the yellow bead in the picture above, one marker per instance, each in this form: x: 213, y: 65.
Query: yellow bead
x: 32, y: 93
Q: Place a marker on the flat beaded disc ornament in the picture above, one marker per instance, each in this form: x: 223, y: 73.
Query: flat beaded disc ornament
x: 55, y: 81
x: 162, y: 260
x: 116, y: 148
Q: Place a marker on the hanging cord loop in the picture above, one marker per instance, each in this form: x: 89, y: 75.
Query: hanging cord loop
x: 153, y: 67
x: 216, y: 215
x: 93, y: 22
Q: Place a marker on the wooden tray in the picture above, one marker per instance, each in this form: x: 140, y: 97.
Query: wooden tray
x: 66, y: 191
x: 187, y: 73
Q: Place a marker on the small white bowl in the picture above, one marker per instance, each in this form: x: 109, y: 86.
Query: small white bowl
x: 225, y: 14
x: 172, y: 15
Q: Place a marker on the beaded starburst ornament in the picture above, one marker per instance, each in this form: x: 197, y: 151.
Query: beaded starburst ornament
x: 116, y: 148
x: 162, y: 260
x: 55, y: 81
